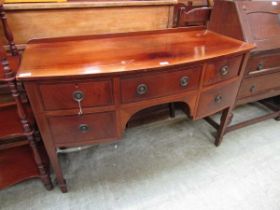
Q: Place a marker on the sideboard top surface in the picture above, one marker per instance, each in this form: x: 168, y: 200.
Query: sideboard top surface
x: 123, y: 53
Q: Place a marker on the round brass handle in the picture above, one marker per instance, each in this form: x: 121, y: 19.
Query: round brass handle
x: 224, y: 70
x: 78, y: 95
x: 253, y: 88
x: 218, y: 99
x: 142, y: 89
x: 84, y: 128
x: 260, y: 66
x: 184, y: 81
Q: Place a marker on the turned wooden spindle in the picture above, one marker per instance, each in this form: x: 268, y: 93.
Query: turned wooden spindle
x: 8, y: 33
x: 27, y: 128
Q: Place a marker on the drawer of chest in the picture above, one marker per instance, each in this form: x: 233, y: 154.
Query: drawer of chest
x: 220, y: 70
x: 216, y: 99
x: 57, y: 96
x: 82, y: 129
x: 257, y: 85
x: 153, y: 85
x: 263, y: 64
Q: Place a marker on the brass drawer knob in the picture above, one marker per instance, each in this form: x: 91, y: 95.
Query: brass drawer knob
x: 78, y: 95
x: 260, y: 66
x: 184, y: 81
x: 142, y: 89
x: 218, y: 99
x: 83, y: 128
x: 224, y: 70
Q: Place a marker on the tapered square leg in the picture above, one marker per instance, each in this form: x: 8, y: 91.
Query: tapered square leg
x: 225, y: 121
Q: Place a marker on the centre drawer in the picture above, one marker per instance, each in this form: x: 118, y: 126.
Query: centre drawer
x: 153, y: 85
x: 61, y: 95
x: 82, y: 129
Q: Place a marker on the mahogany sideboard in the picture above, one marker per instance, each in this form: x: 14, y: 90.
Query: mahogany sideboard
x: 256, y: 22
x: 83, y: 90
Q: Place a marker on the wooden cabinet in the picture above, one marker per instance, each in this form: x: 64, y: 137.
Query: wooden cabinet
x: 258, y: 23
x: 159, y: 67
x: 22, y: 155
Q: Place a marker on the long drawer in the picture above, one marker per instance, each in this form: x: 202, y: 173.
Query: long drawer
x: 258, y: 85
x: 146, y: 86
x: 263, y: 64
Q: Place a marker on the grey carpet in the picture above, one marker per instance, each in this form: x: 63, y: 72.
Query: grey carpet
x: 168, y: 164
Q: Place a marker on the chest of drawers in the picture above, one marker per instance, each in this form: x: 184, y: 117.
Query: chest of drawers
x: 84, y: 90
x: 256, y: 22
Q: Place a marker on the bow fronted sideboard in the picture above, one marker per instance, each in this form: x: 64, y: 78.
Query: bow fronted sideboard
x: 83, y: 90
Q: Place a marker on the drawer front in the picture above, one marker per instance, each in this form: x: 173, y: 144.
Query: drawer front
x: 66, y: 95
x: 258, y: 85
x: 222, y: 70
x: 152, y: 85
x: 216, y: 99
x: 81, y: 129
x: 262, y: 64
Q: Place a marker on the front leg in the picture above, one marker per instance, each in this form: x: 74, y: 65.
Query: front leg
x: 226, y: 118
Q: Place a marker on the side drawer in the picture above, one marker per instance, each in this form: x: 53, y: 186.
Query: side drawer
x: 223, y: 69
x: 216, y: 99
x: 153, y: 85
x: 57, y: 96
x: 78, y: 130
x: 257, y: 85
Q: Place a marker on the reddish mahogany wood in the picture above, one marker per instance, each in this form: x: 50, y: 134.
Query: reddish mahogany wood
x: 107, y: 55
x: 159, y: 60
x: 217, y: 98
x: 7, y: 31
x: 194, y: 17
x: 159, y: 84
x: 60, y: 96
x: 67, y: 129
x: 17, y: 164
x: 263, y: 64
x: 10, y: 123
x: 222, y: 70
x: 257, y: 86
x: 18, y: 160
x: 14, y: 62
x: 256, y: 22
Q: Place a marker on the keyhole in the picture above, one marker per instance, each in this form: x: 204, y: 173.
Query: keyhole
x: 78, y: 96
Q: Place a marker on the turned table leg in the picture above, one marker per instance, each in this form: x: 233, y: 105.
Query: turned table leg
x: 225, y: 121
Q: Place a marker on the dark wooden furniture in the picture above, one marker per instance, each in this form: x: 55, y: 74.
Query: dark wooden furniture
x: 256, y: 22
x: 189, y: 15
x: 21, y: 153
x: 83, y: 90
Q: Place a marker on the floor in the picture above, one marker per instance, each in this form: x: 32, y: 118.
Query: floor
x: 168, y: 164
